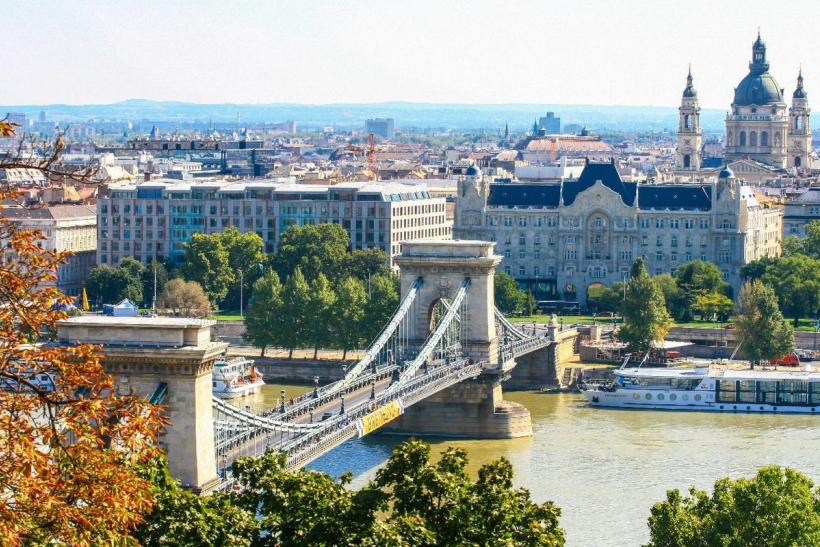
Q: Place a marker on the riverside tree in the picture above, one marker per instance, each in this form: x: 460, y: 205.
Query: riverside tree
x: 295, y: 324
x: 184, y: 298
x: 645, y: 317
x: 313, y: 249
x: 761, y: 329
x: 508, y: 297
x: 107, y: 285
x: 348, y: 317
x: 382, y: 301
x: 245, y: 257
x: 69, y: 449
x: 265, y: 320
x: 319, y: 314
x: 778, y: 508
x: 206, y: 262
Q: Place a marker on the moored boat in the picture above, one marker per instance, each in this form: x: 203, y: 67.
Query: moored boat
x: 236, y: 377
x: 712, y: 388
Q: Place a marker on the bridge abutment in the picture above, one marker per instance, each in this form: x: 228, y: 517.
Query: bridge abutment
x: 168, y: 361
x: 472, y: 409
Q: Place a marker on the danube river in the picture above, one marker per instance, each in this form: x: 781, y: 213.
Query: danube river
x: 605, y: 468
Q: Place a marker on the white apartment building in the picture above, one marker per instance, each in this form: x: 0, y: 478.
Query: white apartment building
x: 155, y: 219
x: 71, y: 228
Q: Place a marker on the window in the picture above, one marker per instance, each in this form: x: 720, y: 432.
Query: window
x: 674, y: 241
x: 570, y: 254
x: 704, y: 224
x: 536, y: 254
x: 598, y: 222
x: 551, y: 222
x: 537, y: 240
x: 688, y: 257
x: 644, y: 223
x: 507, y: 254
x: 742, y: 138
x: 753, y: 138
x: 507, y: 221
x: 507, y: 240
x: 522, y: 271
x: 659, y: 255
x: 659, y: 241
x: 764, y: 138
x: 538, y: 221
x: 522, y: 239
x: 536, y: 271
x: 724, y: 256
x: 659, y: 223
x: 492, y: 221
x: 674, y: 223
x: 522, y: 255
x: 522, y: 221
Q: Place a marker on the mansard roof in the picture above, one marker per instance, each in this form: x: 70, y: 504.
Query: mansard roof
x: 607, y: 173
x: 679, y: 196
x: 524, y: 195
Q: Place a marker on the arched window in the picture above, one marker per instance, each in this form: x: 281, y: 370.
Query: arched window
x: 687, y: 121
x: 797, y: 161
x: 686, y: 161
x: 742, y: 138
x: 764, y: 138
x: 798, y: 122
x: 777, y: 139
x: 752, y: 138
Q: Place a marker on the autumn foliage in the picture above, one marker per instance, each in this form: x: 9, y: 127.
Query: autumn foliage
x: 70, y: 445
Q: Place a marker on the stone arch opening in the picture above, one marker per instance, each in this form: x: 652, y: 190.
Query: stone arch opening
x: 686, y: 161
x: 742, y: 138
x: 797, y: 161
x: 764, y: 138
x: 753, y: 138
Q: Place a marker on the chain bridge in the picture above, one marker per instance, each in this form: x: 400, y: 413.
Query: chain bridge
x: 445, y: 333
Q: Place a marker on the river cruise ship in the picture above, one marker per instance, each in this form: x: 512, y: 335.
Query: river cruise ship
x: 235, y: 378
x: 710, y: 388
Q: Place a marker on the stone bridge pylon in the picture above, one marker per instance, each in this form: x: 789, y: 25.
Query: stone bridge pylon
x: 473, y: 408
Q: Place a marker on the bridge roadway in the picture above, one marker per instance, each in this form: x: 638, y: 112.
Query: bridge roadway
x: 301, y: 445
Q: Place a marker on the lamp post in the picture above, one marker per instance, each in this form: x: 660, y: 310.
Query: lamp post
x: 241, y: 295
x: 315, y: 387
x: 282, y: 401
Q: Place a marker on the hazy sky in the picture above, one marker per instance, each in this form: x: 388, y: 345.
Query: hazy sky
x: 631, y: 52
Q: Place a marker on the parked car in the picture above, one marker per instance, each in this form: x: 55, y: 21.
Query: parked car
x: 327, y: 416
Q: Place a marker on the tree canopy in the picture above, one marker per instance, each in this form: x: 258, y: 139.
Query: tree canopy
x: 644, y: 310
x: 313, y: 249
x: 776, y: 508
x: 508, y: 297
x: 411, y: 502
x: 185, y: 298
x: 761, y: 329
x: 107, y: 285
x: 206, y: 261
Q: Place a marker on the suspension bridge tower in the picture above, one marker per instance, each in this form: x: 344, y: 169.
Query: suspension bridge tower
x: 472, y: 408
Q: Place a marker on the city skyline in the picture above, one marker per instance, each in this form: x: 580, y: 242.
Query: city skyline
x: 352, y: 52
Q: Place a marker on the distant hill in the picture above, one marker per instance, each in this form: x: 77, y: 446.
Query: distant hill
x: 407, y: 115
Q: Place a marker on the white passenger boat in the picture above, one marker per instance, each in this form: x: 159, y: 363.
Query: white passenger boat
x: 235, y: 378
x: 711, y: 388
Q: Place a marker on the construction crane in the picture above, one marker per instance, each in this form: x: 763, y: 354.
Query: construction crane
x: 371, y: 155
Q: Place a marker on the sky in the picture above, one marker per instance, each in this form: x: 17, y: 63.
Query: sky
x: 597, y: 52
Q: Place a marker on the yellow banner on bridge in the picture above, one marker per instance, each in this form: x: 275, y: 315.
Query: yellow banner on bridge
x: 377, y: 418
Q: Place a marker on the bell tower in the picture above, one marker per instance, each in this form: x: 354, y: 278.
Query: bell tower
x: 690, y: 136
x: 799, y: 127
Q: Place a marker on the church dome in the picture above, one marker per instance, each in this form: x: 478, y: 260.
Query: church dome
x: 758, y: 89
x: 472, y: 171
x: 726, y: 173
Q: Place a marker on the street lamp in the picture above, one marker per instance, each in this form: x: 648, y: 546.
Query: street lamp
x: 282, y: 401
x: 315, y: 387
x: 342, y: 409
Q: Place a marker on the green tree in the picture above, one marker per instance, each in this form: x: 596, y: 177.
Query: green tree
x: 314, y: 248
x: 530, y: 305
x: 382, y: 303
x: 796, y: 282
x: 508, y: 297
x: 295, y: 299
x: 206, y: 262
x: 107, y: 285
x: 811, y: 243
x: 612, y: 298
x: 756, y: 269
x: 319, y: 311
x: 694, y: 279
x: 760, y: 327
x: 364, y: 263
x: 180, y: 517
x: 264, y: 322
x: 671, y: 294
x: 454, y: 510
x: 645, y: 317
x: 148, y: 280
x: 349, y: 314
x: 792, y: 246
x: 245, y: 255
x: 713, y: 304
x: 776, y: 508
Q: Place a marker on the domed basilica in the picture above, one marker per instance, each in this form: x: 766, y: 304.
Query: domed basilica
x: 759, y: 127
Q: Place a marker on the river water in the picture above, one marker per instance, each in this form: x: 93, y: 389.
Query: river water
x: 605, y: 468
